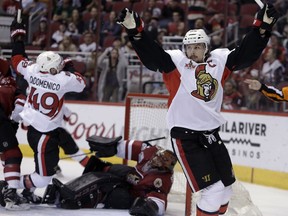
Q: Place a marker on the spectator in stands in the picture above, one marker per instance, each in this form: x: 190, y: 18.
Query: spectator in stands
x: 276, y: 43
x: 76, y: 4
x: 272, y: 73
x: 117, y: 43
x: 153, y: 9
x: 87, y: 5
x: 35, y: 6
x: 232, y: 98
x: 76, y: 19
x: 10, y: 6
x: 272, y: 70
x: 216, y: 42
x: 63, y: 10
x: 167, y: 12
x: 59, y: 34
x: 281, y: 6
x: 285, y: 40
x: 40, y: 37
x: 199, y: 24
x: 282, y: 22
x: 67, y: 45
x: 88, y: 45
x: 110, y: 28
x: 176, y: 26
x: 124, y: 38
x: 75, y: 26
x: 215, y: 23
x: 196, y: 10
x: 91, y: 23
x: 215, y: 6
x: 74, y: 33
x: 110, y: 85
x: 127, y: 49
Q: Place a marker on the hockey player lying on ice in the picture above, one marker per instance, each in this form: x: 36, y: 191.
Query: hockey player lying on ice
x: 143, y: 189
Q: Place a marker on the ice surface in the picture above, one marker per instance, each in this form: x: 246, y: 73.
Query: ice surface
x: 270, y: 201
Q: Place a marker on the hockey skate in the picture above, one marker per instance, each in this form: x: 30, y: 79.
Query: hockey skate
x: 12, y: 200
x: 31, y: 197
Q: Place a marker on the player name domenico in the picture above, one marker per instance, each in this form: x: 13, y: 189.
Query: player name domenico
x: 44, y: 83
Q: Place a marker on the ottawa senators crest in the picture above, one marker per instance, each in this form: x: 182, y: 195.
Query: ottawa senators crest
x: 206, y: 85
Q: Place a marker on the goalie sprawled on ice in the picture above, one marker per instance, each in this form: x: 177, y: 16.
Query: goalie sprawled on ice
x: 142, y: 189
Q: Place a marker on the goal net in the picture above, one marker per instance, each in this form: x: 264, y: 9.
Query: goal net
x: 145, y: 119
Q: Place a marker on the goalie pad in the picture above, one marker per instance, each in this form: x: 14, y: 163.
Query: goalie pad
x: 104, y: 147
x: 94, y: 164
x: 85, y: 191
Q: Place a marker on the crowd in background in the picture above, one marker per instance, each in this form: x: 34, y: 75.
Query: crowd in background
x: 90, y: 26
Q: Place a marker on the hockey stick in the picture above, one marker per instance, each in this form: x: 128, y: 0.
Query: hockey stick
x: 151, y: 140
x: 19, y: 11
x: 64, y: 158
x: 260, y: 3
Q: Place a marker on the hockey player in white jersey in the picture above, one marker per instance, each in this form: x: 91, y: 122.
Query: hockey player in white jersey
x: 194, y: 77
x: 42, y: 112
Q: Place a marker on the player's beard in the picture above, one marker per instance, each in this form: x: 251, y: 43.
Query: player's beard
x: 196, y: 59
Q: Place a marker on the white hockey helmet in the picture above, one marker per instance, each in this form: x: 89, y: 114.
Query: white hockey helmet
x: 195, y: 36
x: 50, y: 61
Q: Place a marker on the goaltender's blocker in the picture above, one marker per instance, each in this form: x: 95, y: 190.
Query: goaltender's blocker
x: 142, y: 189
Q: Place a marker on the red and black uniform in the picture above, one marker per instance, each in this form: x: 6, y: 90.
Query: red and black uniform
x: 10, y: 153
x: 145, y: 181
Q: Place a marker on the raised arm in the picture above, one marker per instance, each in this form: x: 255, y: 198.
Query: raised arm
x: 255, y: 41
x: 268, y: 91
x: 18, y: 34
x: 146, y: 49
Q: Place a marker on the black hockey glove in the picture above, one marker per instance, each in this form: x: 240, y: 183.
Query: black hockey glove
x: 17, y: 31
x: 104, y: 147
x: 131, y: 21
x: 15, y: 126
x: 68, y: 65
x: 95, y: 164
x: 266, y: 17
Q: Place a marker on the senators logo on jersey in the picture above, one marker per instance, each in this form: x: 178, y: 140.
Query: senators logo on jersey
x: 206, y: 85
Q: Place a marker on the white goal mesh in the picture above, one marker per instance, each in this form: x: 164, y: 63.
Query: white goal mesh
x: 145, y: 119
